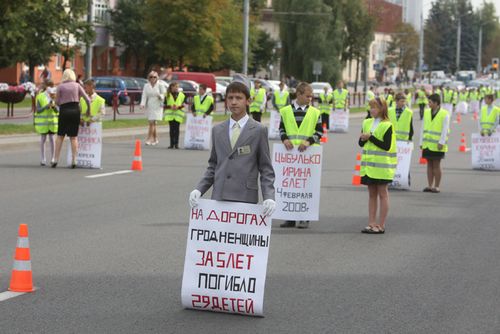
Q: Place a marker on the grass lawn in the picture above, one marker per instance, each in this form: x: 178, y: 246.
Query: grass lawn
x: 26, y: 103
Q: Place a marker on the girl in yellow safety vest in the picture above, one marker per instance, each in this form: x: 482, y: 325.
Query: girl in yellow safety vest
x: 434, y: 141
x: 46, y: 118
x: 378, y: 163
x: 174, y: 112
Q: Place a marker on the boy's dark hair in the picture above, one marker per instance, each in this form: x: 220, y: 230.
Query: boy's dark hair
x: 435, y: 98
x: 203, y: 86
x: 400, y: 96
x: 89, y: 82
x: 238, y: 87
x: 302, y: 87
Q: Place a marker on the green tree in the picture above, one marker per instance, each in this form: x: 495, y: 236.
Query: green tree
x: 403, y: 49
x: 186, y: 31
x: 308, y: 32
x: 262, y: 52
x: 127, y: 22
x: 488, y: 18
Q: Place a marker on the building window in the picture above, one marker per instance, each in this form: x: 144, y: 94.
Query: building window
x: 58, y: 61
x: 110, y: 60
x: 101, y: 11
x: 123, y: 60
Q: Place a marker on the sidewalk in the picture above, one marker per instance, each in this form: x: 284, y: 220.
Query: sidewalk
x: 31, y: 140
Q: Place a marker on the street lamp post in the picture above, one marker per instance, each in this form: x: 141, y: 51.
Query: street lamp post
x: 459, y: 35
x: 88, y: 48
x: 246, y: 14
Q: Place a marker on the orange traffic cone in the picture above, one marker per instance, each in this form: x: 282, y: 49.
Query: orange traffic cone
x: 475, y: 116
x: 463, y: 145
x: 137, y: 162
x: 459, y: 118
x: 356, y: 178
x: 22, y: 278
x: 422, y: 161
x: 324, y: 137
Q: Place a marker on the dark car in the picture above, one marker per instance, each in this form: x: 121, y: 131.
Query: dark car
x: 109, y: 85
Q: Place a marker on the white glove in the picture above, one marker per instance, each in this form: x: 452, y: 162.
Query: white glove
x: 269, y: 207
x: 194, y: 196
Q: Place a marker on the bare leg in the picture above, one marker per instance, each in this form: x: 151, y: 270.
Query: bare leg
x: 383, y: 194
x: 59, y: 141
x: 155, y: 137
x: 150, y: 132
x: 52, y: 146
x: 372, y: 205
x: 74, y: 148
x: 43, y: 138
x: 436, y: 168
x: 430, y: 172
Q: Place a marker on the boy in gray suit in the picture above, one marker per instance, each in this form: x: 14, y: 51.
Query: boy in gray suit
x: 240, y: 152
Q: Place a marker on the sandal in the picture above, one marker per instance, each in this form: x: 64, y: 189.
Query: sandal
x: 427, y: 190
x: 376, y: 230
x: 435, y: 190
x: 367, y: 229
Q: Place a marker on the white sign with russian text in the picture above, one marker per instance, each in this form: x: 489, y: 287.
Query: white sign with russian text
x: 226, y: 258
x: 274, y: 125
x: 339, y: 120
x: 401, y: 177
x: 198, y: 131
x: 89, y: 146
x: 485, y: 151
x: 297, y: 183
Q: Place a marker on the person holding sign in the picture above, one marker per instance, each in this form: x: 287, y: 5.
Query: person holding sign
x: 378, y: 163
x: 97, y: 105
x: 401, y: 117
x: 258, y: 101
x: 203, y: 104
x: 45, y: 119
x: 300, y: 126
x: 434, y: 141
x: 489, y: 117
x: 325, y: 106
x: 240, y: 152
x: 280, y: 98
x: 174, y: 112
x: 153, y: 95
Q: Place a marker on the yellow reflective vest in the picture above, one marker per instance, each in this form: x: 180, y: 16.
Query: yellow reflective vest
x: 258, y: 99
x: 421, y: 97
x: 377, y: 163
x: 325, y: 103
x: 401, y: 125
x: 95, y: 109
x: 489, y: 122
x: 447, y: 96
x: 175, y: 115
x: 281, y: 98
x: 433, y: 129
x: 46, y: 120
x: 307, y: 128
x: 340, y: 98
x: 202, y: 108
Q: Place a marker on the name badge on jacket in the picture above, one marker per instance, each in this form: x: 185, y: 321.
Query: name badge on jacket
x: 244, y: 150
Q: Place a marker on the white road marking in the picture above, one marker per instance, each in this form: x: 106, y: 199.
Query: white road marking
x: 109, y: 174
x: 10, y: 294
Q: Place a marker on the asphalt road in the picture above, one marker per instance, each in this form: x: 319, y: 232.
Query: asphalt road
x: 108, y: 253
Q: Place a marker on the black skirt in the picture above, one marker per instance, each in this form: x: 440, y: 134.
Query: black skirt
x: 432, y: 155
x: 69, y: 119
x: 366, y: 180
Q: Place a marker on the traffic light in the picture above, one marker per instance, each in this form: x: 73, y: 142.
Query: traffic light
x: 494, y: 64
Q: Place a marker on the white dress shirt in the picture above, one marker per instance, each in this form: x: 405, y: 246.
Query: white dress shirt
x: 242, y: 122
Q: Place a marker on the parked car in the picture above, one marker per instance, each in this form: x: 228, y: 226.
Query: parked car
x: 318, y: 88
x: 221, y: 79
x: 198, y: 77
x: 106, y: 86
x: 276, y: 85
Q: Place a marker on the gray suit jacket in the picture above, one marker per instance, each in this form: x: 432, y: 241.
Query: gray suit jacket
x: 233, y: 173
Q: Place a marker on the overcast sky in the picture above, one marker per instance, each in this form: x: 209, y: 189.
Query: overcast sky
x: 475, y: 3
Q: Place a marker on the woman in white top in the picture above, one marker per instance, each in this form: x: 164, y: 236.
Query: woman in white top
x: 153, y: 96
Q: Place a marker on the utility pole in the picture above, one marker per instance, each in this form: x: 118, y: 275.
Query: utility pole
x: 421, y: 45
x: 88, y: 47
x: 480, y: 46
x: 246, y: 14
x: 459, y: 36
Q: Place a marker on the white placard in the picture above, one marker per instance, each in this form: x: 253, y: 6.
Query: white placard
x: 474, y: 106
x: 401, y: 180
x: 339, y: 120
x: 197, y: 133
x: 226, y: 258
x: 274, y: 125
x: 297, y: 183
x: 462, y: 107
x: 89, y: 146
x: 485, y: 151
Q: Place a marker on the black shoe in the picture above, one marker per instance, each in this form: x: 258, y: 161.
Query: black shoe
x: 53, y: 164
x: 176, y: 147
x: 170, y: 147
x: 303, y: 224
x: 73, y: 166
x: 288, y: 223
